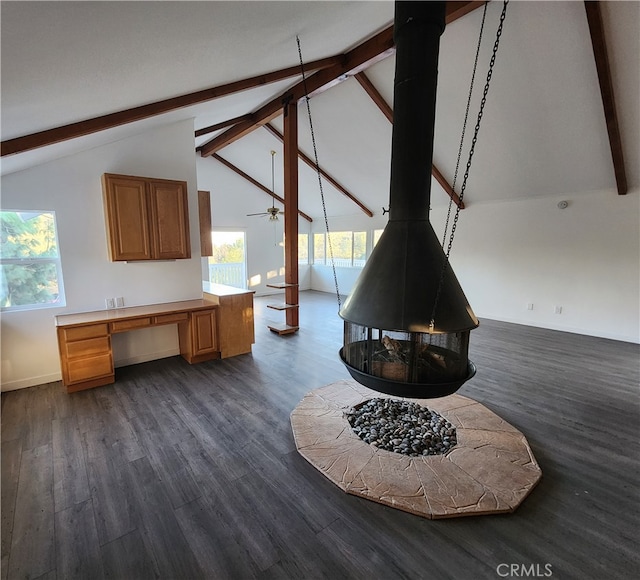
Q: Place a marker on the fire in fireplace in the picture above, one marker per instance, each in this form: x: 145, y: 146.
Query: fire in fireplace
x: 407, y: 321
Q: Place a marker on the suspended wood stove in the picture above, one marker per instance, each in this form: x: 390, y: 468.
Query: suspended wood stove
x: 407, y: 321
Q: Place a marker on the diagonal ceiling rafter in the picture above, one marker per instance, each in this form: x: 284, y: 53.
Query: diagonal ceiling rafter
x: 352, y: 63
x: 596, y: 30
x: 96, y: 124
x: 255, y: 182
x: 386, y: 109
x: 101, y: 123
x: 269, y: 127
x: 373, y: 50
x: 222, y: 125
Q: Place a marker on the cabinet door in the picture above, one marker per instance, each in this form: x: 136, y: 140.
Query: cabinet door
x: 127, y: 217
x: 203, y: 332
x: 170, y: 219
x: 204, y: 217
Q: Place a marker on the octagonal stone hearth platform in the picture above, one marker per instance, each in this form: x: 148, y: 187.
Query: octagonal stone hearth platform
x: 490, y: 470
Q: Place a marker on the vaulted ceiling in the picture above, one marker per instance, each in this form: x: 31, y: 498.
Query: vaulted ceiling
x: 544, y: 129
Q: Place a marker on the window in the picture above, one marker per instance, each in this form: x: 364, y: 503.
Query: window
x: 359, y: 249
x: 227, y: 265
x: 303, y: 248
x: 319, y: 253
x: 349, y: 249
x: 342, y: 248
x: 31, y: 274
x: 376, y: 236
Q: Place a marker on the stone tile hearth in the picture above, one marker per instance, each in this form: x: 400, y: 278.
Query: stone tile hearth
x: 491, y: 469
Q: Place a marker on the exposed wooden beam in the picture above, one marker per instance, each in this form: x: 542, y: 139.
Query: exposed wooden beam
x: 596, y: 30
x: 256, y: 183
x: 455, y: 10
x: 378, y: 99
x: 290, y: 212
x: 269, y: 127
x: 375, y: 95
x: 81, y: 128
x: 354, y: 70
x: 365, y: 53
x: 222, y: 125
x: 447, y: 188
x: 111, y: 120
x: 356, y: 60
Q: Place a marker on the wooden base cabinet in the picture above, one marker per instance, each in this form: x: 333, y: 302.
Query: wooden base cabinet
x: 236, y: 331
x: 86, y: 357
x: 199, y: 337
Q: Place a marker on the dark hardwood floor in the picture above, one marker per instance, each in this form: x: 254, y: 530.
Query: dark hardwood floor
x: 180, y: 471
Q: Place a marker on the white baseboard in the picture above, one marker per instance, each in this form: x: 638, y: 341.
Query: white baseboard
x: 562, y: 328
x: 30, y: 382
x: 43, y: 379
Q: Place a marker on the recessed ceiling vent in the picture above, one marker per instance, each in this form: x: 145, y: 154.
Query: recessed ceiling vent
x: 407, y: 320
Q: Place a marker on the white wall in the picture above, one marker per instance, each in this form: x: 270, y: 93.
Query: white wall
x: 71, y: 187
x: 585, y: 258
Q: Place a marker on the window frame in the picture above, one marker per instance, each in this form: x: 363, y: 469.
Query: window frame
x: 242, y: 234
x: 323, y: 260
x: 303, y: 261
x: 326, y: 261
x: 61, y: 300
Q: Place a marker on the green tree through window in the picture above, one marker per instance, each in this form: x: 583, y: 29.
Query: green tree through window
x: 30, y: 273
x: 227, y: 263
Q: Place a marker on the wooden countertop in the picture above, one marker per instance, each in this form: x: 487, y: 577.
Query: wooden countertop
x: 132, y: 312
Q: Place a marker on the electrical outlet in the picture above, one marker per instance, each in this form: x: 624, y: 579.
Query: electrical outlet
x: 119, y: 302
x: 558, y: 310
x: 110, y: 303
x: 530, y: 306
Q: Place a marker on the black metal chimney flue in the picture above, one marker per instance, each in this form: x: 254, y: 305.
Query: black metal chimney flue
x: 397, y: 289
x: 416, y: 32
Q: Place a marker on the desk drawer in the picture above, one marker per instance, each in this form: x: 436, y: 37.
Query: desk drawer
x: 123, y: 325
x: 83, y: 332
x: 85, y: 369
x: 170, y: 318
x: 89, y: 347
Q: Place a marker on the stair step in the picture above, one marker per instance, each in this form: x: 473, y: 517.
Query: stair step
x: 281, y: 285
x: 282, y: 306
x: 283, y: 328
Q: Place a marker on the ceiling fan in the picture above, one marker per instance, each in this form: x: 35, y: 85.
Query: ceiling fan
x: 272, y: 211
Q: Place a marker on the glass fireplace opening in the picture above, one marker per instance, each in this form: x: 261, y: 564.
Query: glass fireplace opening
x: 407, y: 364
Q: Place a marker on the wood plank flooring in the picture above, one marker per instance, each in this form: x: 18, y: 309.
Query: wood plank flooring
x: 180, y: 471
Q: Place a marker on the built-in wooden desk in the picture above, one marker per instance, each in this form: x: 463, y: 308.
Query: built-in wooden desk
x: 205, y: 327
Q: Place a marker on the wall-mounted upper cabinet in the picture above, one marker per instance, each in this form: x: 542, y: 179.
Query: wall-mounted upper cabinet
x: 147, y: 219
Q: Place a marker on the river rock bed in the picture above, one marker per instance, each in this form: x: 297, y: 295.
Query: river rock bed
x: 402, y: 427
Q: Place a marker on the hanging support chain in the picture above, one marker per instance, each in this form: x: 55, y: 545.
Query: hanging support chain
x: 317, y: 165
x: 470, y: 158
x: 464, y: 124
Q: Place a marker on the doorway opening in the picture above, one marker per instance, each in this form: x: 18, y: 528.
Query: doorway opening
x: 228, y: 264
